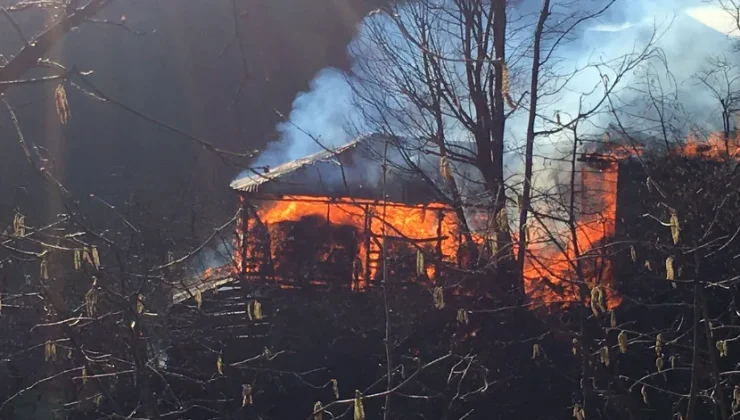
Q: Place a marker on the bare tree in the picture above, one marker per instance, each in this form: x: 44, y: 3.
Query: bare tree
x: 437, y: 71
x: 721, y: 78
x: 87, y: 287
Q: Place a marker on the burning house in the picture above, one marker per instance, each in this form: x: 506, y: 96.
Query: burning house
x: 321, y: 223
x: 326, y: 219
x: 330, y: 218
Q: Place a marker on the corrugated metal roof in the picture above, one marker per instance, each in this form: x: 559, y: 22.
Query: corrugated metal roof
x: 252, y: 182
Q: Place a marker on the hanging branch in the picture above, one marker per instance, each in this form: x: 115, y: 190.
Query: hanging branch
x: 34, y: 50
x: 223, y: 154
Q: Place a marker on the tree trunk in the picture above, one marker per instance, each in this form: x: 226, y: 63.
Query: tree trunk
x: 529, y: 147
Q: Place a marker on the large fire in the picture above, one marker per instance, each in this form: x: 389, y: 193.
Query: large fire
x: 716, y: 146
x: 563, y: 263
x: 556, y: 256
x: 428, y: 230
x: 559, y: 259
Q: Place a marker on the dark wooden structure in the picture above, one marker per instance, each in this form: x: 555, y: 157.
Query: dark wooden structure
x: 343, y: 218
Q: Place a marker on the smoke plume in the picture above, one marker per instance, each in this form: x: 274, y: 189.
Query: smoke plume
x: 317, y: 120
x: 685, y: 29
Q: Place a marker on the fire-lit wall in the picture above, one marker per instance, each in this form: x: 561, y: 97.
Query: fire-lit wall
x: 428, y: 233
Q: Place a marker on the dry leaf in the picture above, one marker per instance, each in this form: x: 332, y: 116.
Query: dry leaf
x: 359, y: 409
x: 659, y: 344
x: 86, y: 255
x: 220, y: 365
x: 439, y: 297
x: 78, y: 259
x: 335, y: 388
x: 50, y: 351
x: 659, y: 363
x: 444, y: 168
x: 95, y: 257
x: 578, y: 412
x: 622, y: 339
x: 633, y: 253
x: 613, y: 319
x: 257, y: 308
x: 648, y: 266
x: 505, y: 83
x: 462, y: 316
x: 536, y: 351
x: 669, y: 272
x: 91, y: 298
x: 604, y: 353
x: 722, y: 348
x: 597, y: 300
x: 44, y: 269
x: 575, y: 346
x: 60, y: 98
x: 198, y: 298
x: 318, y: 411
x: 19, y: 225
x: 246, y: 395
x: 675, y: 228
x: 140, y: 304
x: 672, y: 359
x: 644, y: 393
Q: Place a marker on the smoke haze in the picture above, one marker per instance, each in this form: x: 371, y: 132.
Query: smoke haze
x: 689, y: 31
x: 316, y: 121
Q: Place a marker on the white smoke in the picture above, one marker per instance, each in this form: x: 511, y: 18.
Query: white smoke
x: 325, y: 110
x: 317, y: 120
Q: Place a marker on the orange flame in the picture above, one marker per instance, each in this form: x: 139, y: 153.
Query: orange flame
x: 561, y: 266
x: 716, y: 146
x: 554, y: 272
x: 565, y: 272
x: 427, y: 227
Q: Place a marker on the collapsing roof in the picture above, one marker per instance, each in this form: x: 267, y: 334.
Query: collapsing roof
x: 251, y: 182
x: 351, y: 170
